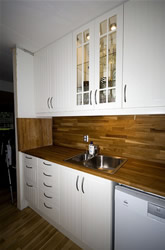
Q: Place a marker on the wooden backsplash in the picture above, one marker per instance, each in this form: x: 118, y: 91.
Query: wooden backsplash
x: 140, y: 137
x: 33, y: 133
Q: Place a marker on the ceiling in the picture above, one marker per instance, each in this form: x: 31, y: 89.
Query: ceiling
x: 33, y: 24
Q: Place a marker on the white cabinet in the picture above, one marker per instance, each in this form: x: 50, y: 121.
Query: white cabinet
x: 49, y: 193
x: 30, y: 180
x: 97, y: 50
x: 52, y: 74
x: 86, y: 207
x: 144, y: 53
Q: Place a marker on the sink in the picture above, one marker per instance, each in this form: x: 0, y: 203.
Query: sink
x: 108, y: 164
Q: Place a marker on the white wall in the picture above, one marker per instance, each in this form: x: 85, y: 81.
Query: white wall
x: 6, y: 86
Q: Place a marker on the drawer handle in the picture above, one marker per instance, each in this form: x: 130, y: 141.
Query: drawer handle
x: 47, y: 175
x: 28, y: 185
x: 47, y: 206
x: 49, y: 197
x: 47, y: 164
x: 82, y: 185
x: 30, y: 158
x: 96, y: 96
x: 47, y: 185
x: 125, y: 89
x: 77, y: 183
x: 28, y: 166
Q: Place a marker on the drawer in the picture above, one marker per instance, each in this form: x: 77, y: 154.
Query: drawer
x: 50, y: 197
x: 30, y: 172
x: 48, y: 184
x: 49, y: 210
x: 31, y: 194
x: 30, y: 160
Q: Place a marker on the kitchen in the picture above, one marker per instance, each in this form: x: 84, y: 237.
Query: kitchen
x: 103, y: 81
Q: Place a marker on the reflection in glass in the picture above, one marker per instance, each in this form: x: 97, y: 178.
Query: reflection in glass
x: 102, y: 98
x: 86, y: 86
x: 111, y: 95
x: 103, y: 62
x: 86, y: 98
x: 112, y: 59
x: 86, y: 36
x: 79, y: 39
x: 112, y: 23
x: 79, y: 99
x: 79, y: 78
x: 103, y: 27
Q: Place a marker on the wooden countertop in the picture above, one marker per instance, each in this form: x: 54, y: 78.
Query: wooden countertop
x: 144, y: 175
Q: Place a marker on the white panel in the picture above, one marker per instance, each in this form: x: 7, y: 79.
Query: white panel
x: 31, y: 194
x: 50, y: 210
x: 24, y: 84
x: 144, y: 53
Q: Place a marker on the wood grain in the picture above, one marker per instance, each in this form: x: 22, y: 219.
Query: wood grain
x: 33, y: 133
x: 27, y: 230
x: 145, y: 175
x: 139, y: 137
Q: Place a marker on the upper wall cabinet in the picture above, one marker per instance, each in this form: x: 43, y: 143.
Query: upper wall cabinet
x: 144, y: 53
x: 53, y: 73
x: 97, y: 50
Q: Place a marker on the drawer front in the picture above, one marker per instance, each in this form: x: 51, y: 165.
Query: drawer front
x: 30, y: 160
x: 49, y: 197
x: 49, y: 210
x: 48, y: 184
x: 46, y: 165
x: 30, y: 173
x: 31, y: 194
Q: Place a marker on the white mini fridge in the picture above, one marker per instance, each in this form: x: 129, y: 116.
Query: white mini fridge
x: 139, y: 220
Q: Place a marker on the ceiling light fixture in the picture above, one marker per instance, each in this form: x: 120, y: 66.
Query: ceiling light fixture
x: 113, y: 27
x: 87, y: 36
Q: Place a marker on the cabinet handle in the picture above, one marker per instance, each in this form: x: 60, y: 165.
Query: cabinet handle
x: 28, y: 166
x: 91, y: 97
x: 47, y: 185
x: 51, y: 102
x: 77, y: 183
x: 48, y: 102
x: 82, y: 185
x: 30, y: 158
x: 125, y: 88
x: 95, y: 96
x: 28, y: 185
x: 47, y: 206
x: 49, y: 197
x: 47, y: 164
x: 47, y: 175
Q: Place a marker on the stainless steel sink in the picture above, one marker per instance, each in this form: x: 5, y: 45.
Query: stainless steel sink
x: 108, y: 164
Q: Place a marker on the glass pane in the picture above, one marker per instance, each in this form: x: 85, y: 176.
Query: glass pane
x: 111, y: 95
x: 112, y: 23
x: 103, y: 27
x: 86, y: 98
x: 102, y: 98
x: 86, y: 67
x: 86, y: 36
x: 79, y: 55
x: 79, y: 99
x: 112, y: 60
x: 79, y: 39
x: 86, y: 53
x: 103, y: 61
x: 79, y: 78
x: 86, y: 85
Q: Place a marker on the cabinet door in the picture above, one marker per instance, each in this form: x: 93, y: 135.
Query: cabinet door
x: 41, y: 81
x: 144, y: 53
x: 83, y: 57
x: 97, y: 203
x: 108, y: 61
x: 62, y: 66
x: 70, y: 201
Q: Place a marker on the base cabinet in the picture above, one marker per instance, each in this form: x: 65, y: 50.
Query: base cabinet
x: 86, y: 208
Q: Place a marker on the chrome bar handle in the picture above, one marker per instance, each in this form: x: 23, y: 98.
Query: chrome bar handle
x: 28, y: 166
x: 51, y: 99
x: 47, y: 185
x: 30, y: 158
x: 47, y: 206
x: 95, y: 96
x: 48, y: 102
x: 49, y: 175
x: 125, y: 88
x: 28, y: 185
x: 49, y: 197
x: 77, y: 183
x: 47, y: 164
x: 91, y: 97
x: 82, y: 185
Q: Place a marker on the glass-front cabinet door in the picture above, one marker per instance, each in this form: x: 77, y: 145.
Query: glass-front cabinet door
x: 83, y: 49
x: 108, y: 61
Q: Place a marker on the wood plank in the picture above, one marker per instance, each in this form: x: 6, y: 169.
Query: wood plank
x: 139, y: 137
x: 27, y: 230
x: 34, y: 133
